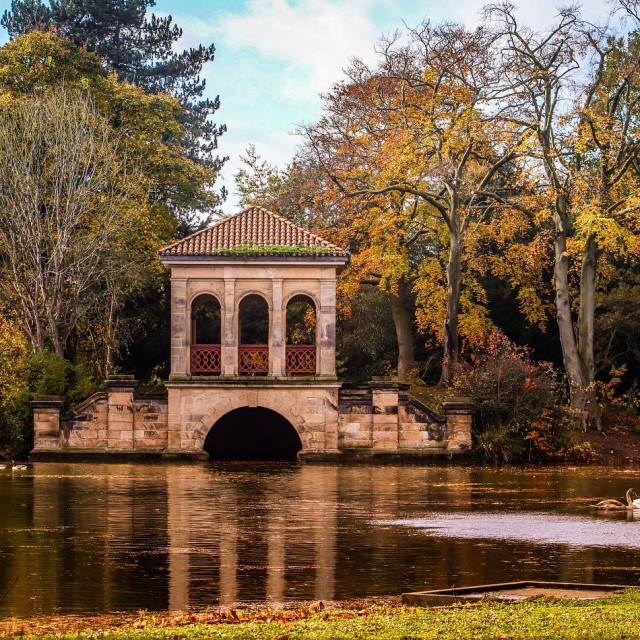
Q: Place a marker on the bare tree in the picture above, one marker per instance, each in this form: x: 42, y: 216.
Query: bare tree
x: 64, y: 192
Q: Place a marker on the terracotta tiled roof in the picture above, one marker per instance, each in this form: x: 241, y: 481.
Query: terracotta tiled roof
x: 253, y: 232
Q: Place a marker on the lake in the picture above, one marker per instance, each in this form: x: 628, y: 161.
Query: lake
x: 79, y: 538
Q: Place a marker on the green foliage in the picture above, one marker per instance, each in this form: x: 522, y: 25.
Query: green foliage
x: 519, y: 402
x: 300, y: 322
x: 44, y: 374
x: 141, y: 50
x: 152, y: 124
x: 366, y: 345
x: 250, y: 250
x: 51, y: 375
x: 170, y: 186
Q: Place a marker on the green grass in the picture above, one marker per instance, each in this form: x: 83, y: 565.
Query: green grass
x: 617, y: 617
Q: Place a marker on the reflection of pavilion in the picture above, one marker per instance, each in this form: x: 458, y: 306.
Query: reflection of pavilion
x: 253, y: 325
x: 220, y: 554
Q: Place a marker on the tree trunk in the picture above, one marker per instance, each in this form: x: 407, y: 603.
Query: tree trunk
x: 579, y: 390
x: 404, y: 330
x: 454, y: 285
x: 585, y: 328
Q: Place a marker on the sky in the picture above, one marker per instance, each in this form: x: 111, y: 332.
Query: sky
x: 275, y: 57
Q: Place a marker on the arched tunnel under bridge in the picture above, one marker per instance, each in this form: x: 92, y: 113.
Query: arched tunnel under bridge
x: 253, y: 433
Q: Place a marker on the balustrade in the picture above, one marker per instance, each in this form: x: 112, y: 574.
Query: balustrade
x: 253, y: 359
x: 301, y: 360
x: 205, y: 358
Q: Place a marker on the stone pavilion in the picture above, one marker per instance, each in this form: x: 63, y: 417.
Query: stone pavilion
x: 253, y: 367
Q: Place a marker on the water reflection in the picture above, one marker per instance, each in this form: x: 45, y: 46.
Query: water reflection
x: 112, y: 537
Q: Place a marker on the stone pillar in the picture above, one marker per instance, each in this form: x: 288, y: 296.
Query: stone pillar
x: 229, y: 348
x: 174, y: 420
x: 120, y: 412
x: 180, y: 329
x: 459, y: 418
x: 385, y: 427
x: 46, y: 423
x: 277, y: 338
x: 326, y: 318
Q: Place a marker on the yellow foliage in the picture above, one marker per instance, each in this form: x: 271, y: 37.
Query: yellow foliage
x: 14, y: 349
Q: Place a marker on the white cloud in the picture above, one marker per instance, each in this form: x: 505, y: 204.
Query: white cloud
x: 536, y: 14
x: 315, y: 38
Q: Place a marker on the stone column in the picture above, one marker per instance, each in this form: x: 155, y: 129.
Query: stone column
x: 385, y: 427
x: 459, y: 418
x: 120, y: 412
x: 180, y: 329
x: 326, y: 318
x: 277, y: 338
x: 46, y: 423
x: 229, y: 348
x: 174, y: 420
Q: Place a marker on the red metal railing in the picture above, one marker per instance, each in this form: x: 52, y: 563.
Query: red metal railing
x: 301, y: 360
x: 253, y: 359
x: 205, y: 358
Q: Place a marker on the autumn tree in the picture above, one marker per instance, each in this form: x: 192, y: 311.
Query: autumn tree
x: 576, y: 86
x: 420, y: 125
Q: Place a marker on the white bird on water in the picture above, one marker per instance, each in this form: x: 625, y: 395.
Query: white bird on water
x: 612, y: 504
x: 14, y: 465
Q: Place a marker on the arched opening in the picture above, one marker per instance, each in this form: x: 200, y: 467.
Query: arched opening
x: 301, y: 336
x: 206, y: 329
x: 253, y: 329
x: 253, y: 433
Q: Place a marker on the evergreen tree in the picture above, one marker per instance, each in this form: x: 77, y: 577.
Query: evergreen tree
x: 139, y: 49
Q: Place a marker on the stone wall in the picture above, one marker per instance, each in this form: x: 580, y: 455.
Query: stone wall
x: 376, y: 419
x: 116, y: 421
x: 382, y: 418
x: 277, y: 282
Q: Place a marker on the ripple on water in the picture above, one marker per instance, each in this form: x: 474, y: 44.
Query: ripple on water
x: 540, y: 528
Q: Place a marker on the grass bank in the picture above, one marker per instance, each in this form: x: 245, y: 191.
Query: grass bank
x: 616, y: 617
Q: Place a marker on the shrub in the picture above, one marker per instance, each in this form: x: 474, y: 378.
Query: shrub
x: 521, y: 410
x: 41, y: 374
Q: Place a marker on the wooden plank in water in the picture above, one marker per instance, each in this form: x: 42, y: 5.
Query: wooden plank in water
x: 511, y: 592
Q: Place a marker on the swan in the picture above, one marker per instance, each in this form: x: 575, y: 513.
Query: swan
x: 616, y: 504
x: 3, y: 466
x: 19, y: 467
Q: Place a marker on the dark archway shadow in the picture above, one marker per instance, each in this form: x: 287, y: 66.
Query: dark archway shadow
x: 253, y: 433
